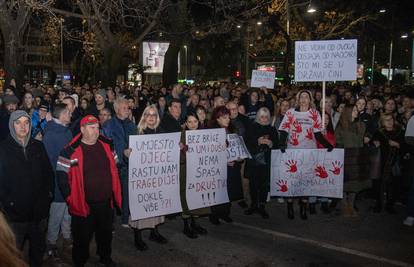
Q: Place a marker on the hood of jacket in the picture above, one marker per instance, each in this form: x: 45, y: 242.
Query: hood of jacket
x: 15, y: 116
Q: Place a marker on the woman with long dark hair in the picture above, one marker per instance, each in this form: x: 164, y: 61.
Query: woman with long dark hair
x: 191, y: 228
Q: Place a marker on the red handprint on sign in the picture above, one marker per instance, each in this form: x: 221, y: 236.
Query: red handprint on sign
x: 297, y: 127
x: 294, y: 139
x: 309, y: 134
x: 290, y: 120
x: 282, y: 186
x: 313, y: 114
x: 291, y: 166
x: 317, y: 125
x: 321, y: 172
x: 336, y: 167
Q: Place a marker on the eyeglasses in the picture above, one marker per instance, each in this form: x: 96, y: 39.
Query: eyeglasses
x: 150, y: 115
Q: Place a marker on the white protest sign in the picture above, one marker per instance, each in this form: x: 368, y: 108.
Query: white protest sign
x: 307, y: 172
x: 262, y: 78
x: 154, y: 166
x: 318, y: 61
x: 236, y: 148
x: 206, y: 168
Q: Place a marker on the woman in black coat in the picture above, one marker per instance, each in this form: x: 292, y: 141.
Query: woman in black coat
x: 261, y: 139
x: 221, y: 119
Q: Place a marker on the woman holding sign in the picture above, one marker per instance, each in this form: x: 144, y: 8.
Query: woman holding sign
x: 191, y: 228
x: 301, y: 128
x: 221, y: 119
x: 149, y: 124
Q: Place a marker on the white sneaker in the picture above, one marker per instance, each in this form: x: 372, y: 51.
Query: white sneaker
x: 281, y: 200
x: 409, y: 221
x: 125, y: 225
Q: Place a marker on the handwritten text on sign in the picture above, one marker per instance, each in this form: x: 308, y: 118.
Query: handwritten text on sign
x: 236, y: 149
x: 333, y: 60
x: 307, y: 172
x: 262, y: 78
x: 154, y: 187
x: 206, y: 168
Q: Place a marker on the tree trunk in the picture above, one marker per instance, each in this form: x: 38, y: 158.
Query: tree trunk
x: 13, y: 61
x: 111, y: 65
x: 170, y: 69
x: 286, y: 63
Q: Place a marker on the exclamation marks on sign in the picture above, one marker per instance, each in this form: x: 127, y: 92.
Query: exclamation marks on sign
x: 208, y: 196
x: 214, y: 197
x: 202, y: 196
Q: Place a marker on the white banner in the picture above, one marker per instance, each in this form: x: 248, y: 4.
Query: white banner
x: 206, y: 168
x: 154, y: 171
x: 307, y: 172
x: 236, y: 148
x: 333, y: 60
x: 262, y: 78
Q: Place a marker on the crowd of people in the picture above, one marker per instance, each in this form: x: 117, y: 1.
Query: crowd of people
x: 64, y: 154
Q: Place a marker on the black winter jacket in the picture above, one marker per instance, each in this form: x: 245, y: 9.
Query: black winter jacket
x: 26, y: 181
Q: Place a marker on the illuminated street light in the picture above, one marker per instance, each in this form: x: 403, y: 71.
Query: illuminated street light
x: 382, y: 10
x: 311, y: 8
x: 404, y: 36
x: 259, y: 23
x: 238, y: 26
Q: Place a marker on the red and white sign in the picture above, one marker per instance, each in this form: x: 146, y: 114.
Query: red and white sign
x: 307, y: 172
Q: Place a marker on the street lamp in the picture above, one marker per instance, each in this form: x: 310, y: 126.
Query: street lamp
x: 382, y: 10
x: 311, y: 9
x: 186, y: 65
x: 404, y: 36
x: 238, y: 26
x: 259, y: 23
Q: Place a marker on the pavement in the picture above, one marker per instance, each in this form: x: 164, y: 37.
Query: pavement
x: 323, y: 240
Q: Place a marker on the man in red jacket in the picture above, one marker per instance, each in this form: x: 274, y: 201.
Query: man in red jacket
x: 88, y: 179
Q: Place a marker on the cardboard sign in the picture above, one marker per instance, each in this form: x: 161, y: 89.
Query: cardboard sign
x: 262, y: 78
x: 333, y: 60
x: 236, y: 149
x: 206, y: 168
x: 154, y: 175
x: 307, y: 172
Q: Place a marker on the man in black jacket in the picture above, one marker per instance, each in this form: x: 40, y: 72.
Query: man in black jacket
x: 26, y: 185
x: 170, y: 123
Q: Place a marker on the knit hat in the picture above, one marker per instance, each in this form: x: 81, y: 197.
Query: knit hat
x: 101, y: 92
x: 10, y: 99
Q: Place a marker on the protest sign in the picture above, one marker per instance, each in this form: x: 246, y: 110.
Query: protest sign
x: 262, y: 78
x: 206, y: 168
x: 154, y: 184
x: 236, y: 148
x: 307, y: 172
x: 332, y: 60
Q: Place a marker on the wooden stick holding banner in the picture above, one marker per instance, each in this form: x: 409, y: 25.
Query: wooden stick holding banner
x: 323, y: 103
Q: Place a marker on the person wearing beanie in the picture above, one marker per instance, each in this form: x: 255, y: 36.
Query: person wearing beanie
x: 26, y: 186
x: 99, y: 104
x: 10, y: 104
x: 39, y: 119
x: 89, y: 182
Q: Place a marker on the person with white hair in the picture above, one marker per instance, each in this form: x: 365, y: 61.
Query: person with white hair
x: 119, y: 128
x: 261, y: 139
